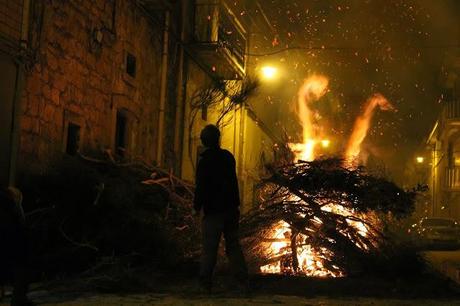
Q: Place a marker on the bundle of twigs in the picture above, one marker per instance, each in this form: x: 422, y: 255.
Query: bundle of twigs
x: 180, y: 196
x: 323, y: 202
x: 226, y: 96
x: 180, y: 191
x: 223, y: 97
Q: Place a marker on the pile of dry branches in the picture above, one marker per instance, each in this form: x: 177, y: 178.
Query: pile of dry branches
x: 226, y: 96
x: 85, y: 209
x: 336, y: 210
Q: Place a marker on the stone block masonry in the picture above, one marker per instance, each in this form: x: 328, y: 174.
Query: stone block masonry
x: 80, y: 77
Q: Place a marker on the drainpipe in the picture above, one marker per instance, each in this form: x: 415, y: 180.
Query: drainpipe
x: 15, y: 127
x: 181, y: 98
x: 19, y: 86
x: 163, y: 84
x: 180, y: 109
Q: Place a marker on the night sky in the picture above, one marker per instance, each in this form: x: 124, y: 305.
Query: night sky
x: 398, y: 48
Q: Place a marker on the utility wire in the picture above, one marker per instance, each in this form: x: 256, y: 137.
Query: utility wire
x: 179, y: 41
x: 333, y: 48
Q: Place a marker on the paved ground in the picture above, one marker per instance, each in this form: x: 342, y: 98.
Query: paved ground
x: 45, y: 298
x: 276, y: 290
x: 279, y: 290
x: 446, y: 262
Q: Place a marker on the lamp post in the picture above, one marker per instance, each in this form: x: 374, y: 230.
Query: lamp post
x: 268, y: 73
x: 325, y: 143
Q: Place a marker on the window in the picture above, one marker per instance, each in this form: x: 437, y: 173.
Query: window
x: 73, y: 139
x: 450, y: 155
x: 206, y: 21
x: 204, y: 112
x: 121, y: 133
x: 131, y: 65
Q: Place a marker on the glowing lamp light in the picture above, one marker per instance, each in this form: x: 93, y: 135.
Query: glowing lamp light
x: 420, y: 160
x: 325, y: 143
x: 269, y: 72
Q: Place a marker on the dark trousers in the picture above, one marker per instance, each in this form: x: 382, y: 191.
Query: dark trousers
x: 14, y: 259
x: 213, y: 226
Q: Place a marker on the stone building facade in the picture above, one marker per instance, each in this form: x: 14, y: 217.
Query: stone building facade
x: 13, y: 45
x: 212, y: 55
x: 95, y: 83
x: 442, y: 150
x: 118, y: 76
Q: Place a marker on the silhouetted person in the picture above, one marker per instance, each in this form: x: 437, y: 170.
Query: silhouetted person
x: 13, y: 240
x: 217, y: 195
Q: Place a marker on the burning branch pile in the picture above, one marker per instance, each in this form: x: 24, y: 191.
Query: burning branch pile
x: 320, y: 218
x: 85, y: 209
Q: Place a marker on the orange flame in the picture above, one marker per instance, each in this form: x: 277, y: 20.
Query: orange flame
x: 309, y: 260
x: 312, y: 90
x: 362, y: 124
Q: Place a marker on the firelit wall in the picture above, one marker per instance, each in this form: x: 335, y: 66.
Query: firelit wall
x: 13, y: 25
x: 94, y: 84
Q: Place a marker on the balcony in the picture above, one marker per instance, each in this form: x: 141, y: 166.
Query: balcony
x: 219, y: 41
x: 154, y: 5
x: 451, y: 109
x: 452, y: 179
x: 450, y: 104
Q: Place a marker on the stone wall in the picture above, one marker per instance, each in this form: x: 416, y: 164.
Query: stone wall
x: 11, y: 28
x: 80, y: 79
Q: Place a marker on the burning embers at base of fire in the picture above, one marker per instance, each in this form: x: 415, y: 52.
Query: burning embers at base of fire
x: 308, y: 261
x: 282, y: 243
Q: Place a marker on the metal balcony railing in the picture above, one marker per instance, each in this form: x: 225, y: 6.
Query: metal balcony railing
x: 452, y: 178
x: 451, y: 109
x: 154, y: 5
x: 219, y: 38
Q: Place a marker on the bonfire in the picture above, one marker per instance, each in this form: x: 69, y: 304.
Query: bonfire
x: 321, y: 216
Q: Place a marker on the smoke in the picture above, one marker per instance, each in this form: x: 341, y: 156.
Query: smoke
x: 395, y: 47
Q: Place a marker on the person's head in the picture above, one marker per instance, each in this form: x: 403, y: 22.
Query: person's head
x: 10, y: 194
x: 210, y: 136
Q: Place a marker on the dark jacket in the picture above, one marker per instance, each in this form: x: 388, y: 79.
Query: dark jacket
x: 216, y: 182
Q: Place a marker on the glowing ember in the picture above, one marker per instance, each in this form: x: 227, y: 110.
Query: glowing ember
x: 362, y: 124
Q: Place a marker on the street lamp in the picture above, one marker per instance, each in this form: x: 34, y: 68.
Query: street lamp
x: 420, y: 159
x: 325, y: 143
x: 269, y: 72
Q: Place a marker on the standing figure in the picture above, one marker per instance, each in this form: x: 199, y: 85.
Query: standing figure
x: 14, y: 254
x: 217, y: 195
